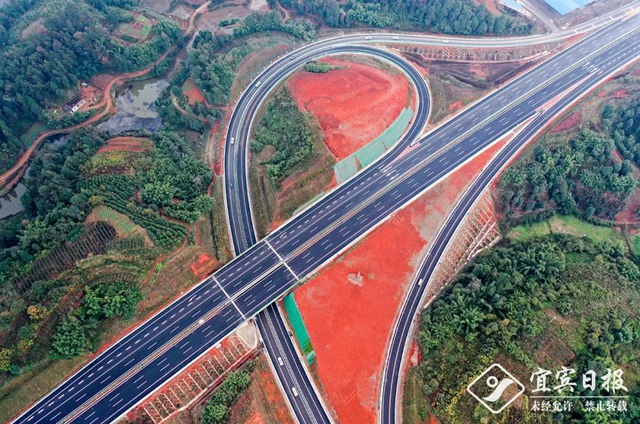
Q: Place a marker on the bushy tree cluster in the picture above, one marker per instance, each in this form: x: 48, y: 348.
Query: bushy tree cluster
x: 624, y: 126
x: 317, y: 67
x: 272, y: 21
x: 213, y: 72
x: 580, y: 179
x: 445, y: 16
x: 106, y: 300
x: 217, y: 409
x: 287, y: 129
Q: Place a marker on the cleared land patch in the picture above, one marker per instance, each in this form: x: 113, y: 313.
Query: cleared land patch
x: 351, y: 341
x: 353, y: 104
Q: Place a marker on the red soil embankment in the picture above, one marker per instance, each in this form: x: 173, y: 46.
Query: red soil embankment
x: 350, y: 308
x: 353, y: 105
x: 568, y: 123
x: 126, y: 144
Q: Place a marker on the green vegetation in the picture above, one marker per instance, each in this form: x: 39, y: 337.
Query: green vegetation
x: 106, y: 300
x: 300, y: 29
x: 229, y: 22
x: 62, y: 278
x: 65, y: 120
x: 546, y: 302
x: 560, y: 224
x: 170, y: 171
x: 40, y: 71
x: 582, y: 179
x: 128, y: 32
x: 289, y: 131
x: 123, y: 225
x: 217, y: 409
x: 445, y: 16
x: 318, y: 67
x: 69, y: 340
x: 197, y: 116
x: 624, y: 128
x: 214, y: 72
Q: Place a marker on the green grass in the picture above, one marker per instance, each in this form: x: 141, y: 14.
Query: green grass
x: 415, y: 407
x: 34, y: 131
x: 636, y: 243
x: 123, y: 225
x: 565, y: 225
x: 529, y: 231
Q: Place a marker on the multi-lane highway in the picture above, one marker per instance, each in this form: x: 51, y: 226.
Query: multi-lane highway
x: 130, y: 370
x: 240, y: 233
x: 306, y: 404
x: 297, y: 386
x: 279, y: 347
x: 394, y: 366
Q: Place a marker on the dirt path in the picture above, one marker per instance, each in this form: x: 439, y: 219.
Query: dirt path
x: 184, y: 112
x: 193, y: 16
x: 9, y: 178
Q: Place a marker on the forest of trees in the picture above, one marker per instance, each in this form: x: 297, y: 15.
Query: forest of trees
x: 624, y: 126
x: 39, y: 70
x: 502, y: 304
x: 63, y: 187
x: 581, y: 178
x: 289, y: 131
x: 445, y: 16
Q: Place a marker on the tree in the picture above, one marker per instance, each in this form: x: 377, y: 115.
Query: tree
x: 218, y: 407
x: 69, y: 340
x: 214, y: 414
x: 110, y: 300
x: 5, y: 359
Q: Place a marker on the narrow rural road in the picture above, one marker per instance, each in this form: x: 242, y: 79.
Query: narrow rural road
x: 9, y: 178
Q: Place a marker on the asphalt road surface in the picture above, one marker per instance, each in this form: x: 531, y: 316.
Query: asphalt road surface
x: 305, y: 401
x: 136, y: 365
x: 392, y: 378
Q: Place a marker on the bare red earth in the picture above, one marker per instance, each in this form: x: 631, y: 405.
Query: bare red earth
x: 353, y: 105
x: 490, y: 4
x: 568, y: 123
x: 192, y: 92
x: 127, y: 144
x: 204, y: 265
x: 349, y: 321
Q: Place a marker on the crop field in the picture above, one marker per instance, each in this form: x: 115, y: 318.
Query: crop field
x: 136, y: 31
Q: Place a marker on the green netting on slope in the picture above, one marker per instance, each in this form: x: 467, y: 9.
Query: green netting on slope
x: 394, y: 132
x: 299, y: 329
x: 345, y: 168
x: 367, y: 154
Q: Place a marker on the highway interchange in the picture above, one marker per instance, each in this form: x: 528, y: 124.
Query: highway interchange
x: 136, y: 365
